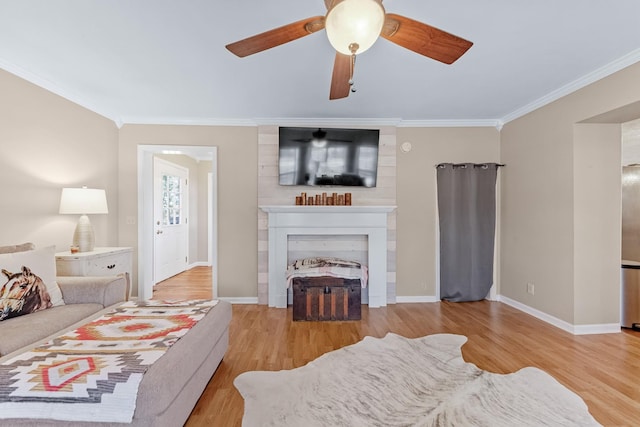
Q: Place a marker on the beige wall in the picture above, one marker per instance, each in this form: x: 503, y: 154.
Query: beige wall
x: 597, y: 178
x: 416, y: 195
x: 237, y: 171
x: 546, y: 206
x: 47, y: 143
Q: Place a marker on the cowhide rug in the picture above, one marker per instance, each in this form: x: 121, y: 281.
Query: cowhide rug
x: 396, y: 381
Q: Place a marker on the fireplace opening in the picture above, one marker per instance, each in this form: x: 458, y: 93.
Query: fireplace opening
x: 350, y: 248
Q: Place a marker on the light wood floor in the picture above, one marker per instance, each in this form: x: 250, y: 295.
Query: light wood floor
x: 192, y: 284
x: 603, y: 369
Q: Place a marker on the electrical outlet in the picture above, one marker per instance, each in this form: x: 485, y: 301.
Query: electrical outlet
x: 531, y: 289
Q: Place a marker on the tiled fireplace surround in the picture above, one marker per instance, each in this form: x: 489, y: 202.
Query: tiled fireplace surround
x: 271, y: 194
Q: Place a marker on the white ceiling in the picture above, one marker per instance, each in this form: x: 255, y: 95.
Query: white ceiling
x: 164, y: 61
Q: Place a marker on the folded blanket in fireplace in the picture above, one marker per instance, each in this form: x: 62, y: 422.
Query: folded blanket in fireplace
x: 327, y: 266
x: 93, y: 372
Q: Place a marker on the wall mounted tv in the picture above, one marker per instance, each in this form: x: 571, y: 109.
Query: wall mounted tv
x: 322, y: 156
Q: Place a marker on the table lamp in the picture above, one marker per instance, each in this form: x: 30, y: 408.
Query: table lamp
x: 83, y: 201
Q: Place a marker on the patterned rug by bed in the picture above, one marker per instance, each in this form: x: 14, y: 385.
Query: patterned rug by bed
x: 396, y: 381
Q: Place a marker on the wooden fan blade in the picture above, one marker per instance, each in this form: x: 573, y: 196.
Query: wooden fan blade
x: 424, y: 39
x: 276, y: 37
x: 340, y: 86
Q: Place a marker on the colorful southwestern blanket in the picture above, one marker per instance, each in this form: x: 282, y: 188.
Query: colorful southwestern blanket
x: 327, y: 266
x: 93, y: 372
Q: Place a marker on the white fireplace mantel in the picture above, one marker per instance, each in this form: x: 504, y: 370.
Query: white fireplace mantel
x: 370, y: 221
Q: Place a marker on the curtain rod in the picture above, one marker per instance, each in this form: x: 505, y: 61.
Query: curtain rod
x: 441, y: 165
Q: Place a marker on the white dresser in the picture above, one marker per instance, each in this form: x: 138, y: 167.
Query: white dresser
x: 98, y: 262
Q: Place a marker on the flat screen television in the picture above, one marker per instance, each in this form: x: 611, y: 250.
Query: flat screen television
x: 321, y: 156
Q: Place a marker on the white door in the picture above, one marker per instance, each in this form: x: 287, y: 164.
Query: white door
x: 170, y: 222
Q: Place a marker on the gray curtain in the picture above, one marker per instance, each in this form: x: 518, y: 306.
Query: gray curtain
x: 467, y: 212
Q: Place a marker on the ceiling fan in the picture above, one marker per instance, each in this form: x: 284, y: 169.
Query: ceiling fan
x: 352, y: 27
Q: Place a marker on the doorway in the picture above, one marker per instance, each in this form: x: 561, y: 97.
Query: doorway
x: 147, y: 223
x: 170, y: 218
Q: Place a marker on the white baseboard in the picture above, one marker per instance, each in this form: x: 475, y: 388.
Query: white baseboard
x: 606, y: 328
x: 411, y: 299
x: 240, y: 300
x: 198, y: 264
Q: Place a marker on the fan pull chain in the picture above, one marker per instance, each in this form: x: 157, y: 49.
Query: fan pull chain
x: 353, y: 64
x: 353, y: 47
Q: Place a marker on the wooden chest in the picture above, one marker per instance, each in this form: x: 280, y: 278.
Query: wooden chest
x: 326, y: 298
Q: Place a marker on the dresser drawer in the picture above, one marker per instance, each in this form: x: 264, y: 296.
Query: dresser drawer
x: 108, y: 265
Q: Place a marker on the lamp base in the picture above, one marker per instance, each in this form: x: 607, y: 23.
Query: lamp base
x: 83, y: 237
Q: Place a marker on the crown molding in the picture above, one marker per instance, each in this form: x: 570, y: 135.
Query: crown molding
x: 327, y: 122
x: 312, y: 122
x: 55, y: 89
x: 176, y: 121
x: 613, y: 67
x: 271, y: 121
x: 280, y: 121
x: 451, y: 123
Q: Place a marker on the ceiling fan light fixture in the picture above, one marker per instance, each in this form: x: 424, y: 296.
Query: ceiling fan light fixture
x: 319, y: 138
x: 354, y: 24
x: 319, y: 143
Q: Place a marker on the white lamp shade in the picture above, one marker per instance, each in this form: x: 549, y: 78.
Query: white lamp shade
x: 354, y: 21
x: 83, y: 201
